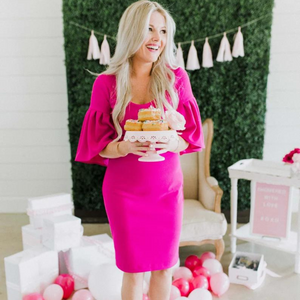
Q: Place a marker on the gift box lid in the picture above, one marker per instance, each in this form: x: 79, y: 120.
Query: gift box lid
x: 49, y: 201
x: 30, y: 230
x: 62, y: 220
x: 26, y: 266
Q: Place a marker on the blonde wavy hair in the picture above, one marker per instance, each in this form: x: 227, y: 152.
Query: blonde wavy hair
x: 137, y: 17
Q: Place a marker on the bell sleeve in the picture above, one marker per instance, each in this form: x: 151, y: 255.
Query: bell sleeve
x: 97, y: 129
x: 188, y: 107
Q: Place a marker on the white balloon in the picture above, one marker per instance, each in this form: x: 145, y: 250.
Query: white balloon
x: 202, y: 294
x: 147, y: 277
x: 53, y: 292
x: 183, y: 272
x: 105, y: 282
x: 181, y: 298
x: 213, y: 265
x: 145, y: 287
x: 175, y: 293
x: 176, y: 266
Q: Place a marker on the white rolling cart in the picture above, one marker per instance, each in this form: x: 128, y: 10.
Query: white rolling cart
x: 266, y: 172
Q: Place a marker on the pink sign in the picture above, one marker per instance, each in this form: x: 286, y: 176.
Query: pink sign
x: 271, y: 208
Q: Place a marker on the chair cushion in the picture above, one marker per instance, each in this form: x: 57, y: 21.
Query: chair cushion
x: 201, y: 224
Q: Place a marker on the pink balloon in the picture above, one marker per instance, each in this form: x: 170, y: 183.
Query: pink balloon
x: 33, y: 296
x: 183, y: 272
x: 200, y: 282
x: 83, y: 295
x: 200, y: 270
x: 206, y: 255
x: 53, y: 292
x: 192, y: 261
x: 213, y: 265
x: 191, y: 285
x: 175, y: 293
x: 145, y: 297
x: 219, y: 283
x: 183, y: 286
x: 66, y: 281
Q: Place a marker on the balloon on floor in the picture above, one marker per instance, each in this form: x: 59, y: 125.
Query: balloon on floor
x: 105, y: 282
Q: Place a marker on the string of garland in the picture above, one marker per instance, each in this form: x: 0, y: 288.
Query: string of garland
x: 224, y: 53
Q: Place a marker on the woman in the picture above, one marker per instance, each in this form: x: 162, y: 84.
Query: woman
x: 143, y: 200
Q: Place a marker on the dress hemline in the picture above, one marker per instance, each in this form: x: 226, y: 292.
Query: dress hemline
x: 149, y: 269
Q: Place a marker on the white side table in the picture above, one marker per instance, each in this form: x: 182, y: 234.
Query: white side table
x: 266, y: 172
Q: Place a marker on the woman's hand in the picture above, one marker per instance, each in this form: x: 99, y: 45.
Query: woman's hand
x: 136, y: 148
x: 174, y: 146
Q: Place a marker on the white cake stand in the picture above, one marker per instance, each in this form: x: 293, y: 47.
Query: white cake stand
x: 153, y: 137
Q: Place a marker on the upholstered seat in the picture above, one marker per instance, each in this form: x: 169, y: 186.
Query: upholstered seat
x: 203, y: 221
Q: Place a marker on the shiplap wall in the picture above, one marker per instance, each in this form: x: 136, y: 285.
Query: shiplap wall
x: 283, y: 99
x: 34, y: 142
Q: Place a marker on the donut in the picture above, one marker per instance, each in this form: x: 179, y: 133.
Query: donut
x: 157, y: 125
x: 150, y: 113
x: 133, y: 125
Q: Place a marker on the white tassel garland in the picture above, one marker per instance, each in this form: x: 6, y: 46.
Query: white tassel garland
x: 94, y: 51
x: 238, y: 46
x: 207, y: 58
x: 105, y: 52
x: 179, y: 57
x: 192, y: 60
x: 224, y: 53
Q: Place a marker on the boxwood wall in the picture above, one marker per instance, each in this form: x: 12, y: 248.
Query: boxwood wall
x: 233, y: 93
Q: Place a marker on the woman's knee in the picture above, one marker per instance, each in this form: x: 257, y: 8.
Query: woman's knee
x: 135, y: 278
x: 164, y: 273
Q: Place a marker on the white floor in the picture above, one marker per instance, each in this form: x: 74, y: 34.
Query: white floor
x: 285, y: 288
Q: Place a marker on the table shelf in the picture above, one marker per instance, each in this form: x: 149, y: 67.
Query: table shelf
x: 289, y: 245
x: 266, y: 172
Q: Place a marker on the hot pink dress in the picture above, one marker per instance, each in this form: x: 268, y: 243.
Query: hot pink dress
x: 143, y: 200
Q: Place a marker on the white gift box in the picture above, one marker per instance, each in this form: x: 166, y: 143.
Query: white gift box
x: 31, y: 237
x: 52, y: 205
x: 239, y: 274
x: 92, y: 251
x: 30, y: 271
x: 61, y: 232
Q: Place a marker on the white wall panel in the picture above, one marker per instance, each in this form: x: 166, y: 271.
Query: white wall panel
x: 30, y: 9
x: 32, y: 188
x: 31, y: 66
x: 34, y: 154
x: 30, y: 84
x: 34, y: 102
x: 34, y: 139
x: 282, y: 126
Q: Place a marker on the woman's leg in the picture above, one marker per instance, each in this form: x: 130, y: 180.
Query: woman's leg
x: 160, y: 284
x: 132, y: 286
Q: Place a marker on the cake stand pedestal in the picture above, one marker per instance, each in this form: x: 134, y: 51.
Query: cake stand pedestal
x: 153, y: 137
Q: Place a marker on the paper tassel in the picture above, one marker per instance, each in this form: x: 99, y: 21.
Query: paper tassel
x: 238, y: 46
x: 207, y: 59
x: 224, y: 53
x: 94, y: 51
x: 192, y: 61
x: 105, y: 52
x: 179, y: 57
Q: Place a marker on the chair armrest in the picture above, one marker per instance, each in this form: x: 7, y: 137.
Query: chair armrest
x: 218, y: 193
x: 212, y: 181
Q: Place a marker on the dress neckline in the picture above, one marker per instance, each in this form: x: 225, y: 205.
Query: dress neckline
x: 141, y: 103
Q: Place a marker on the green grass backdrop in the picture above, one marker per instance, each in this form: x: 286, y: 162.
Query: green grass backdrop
x: 232, y: 93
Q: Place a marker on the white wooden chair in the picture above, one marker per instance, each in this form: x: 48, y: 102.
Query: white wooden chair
x: 203, y: 221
